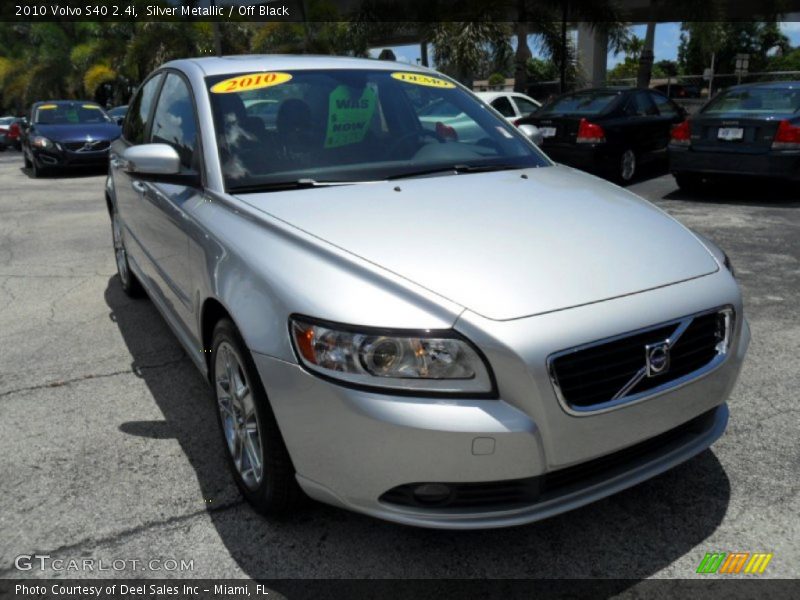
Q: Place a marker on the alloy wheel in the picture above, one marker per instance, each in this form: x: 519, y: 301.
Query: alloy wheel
x: 119, y: 251
x: 238, y: 415
x: 627, y: 165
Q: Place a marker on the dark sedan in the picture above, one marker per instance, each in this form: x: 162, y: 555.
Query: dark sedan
x: 748, y: 130
x: 609, y: 131
x: 67, y: 133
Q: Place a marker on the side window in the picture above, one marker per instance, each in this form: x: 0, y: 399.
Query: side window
x: 174, y: 120
x: 136, y: 120
x: 525, y: 106
x: 640, y: 105
x: 503, y: 106
x: 665, y: 106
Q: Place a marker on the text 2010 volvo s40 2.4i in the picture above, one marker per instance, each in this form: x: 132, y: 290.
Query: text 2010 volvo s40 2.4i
x: 429, y: 330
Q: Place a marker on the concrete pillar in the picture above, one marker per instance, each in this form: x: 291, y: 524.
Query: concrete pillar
x: 592, y: 54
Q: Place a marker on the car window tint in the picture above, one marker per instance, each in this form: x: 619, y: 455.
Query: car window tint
x: 640, y: 105
x: 665, y: 107
x: 581, y: 103
x: 136, y: 119
x: 174, y: 120
x: 756, y: 100
x: 503, y: 106
x: 525, y: 106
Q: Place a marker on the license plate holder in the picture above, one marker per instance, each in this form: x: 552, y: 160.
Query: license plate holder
x: 730, y: 134
x: 548, y: 131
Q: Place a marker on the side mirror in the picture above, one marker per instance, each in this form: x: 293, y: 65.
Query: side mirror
x: 533, y: 133
x: 119, y: 120
x: 152, y: 159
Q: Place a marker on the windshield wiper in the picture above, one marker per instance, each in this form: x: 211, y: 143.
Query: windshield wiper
x: 456, y: 169
x: 296, y: 184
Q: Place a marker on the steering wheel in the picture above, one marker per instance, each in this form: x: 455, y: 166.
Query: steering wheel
x: 403, y: 139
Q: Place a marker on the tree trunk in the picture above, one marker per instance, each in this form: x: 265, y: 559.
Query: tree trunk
x: 521, y: 57
x: 562, y: 67
x: 646, y: 57
x: 423, y: 52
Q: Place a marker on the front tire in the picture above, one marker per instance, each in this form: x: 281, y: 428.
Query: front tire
x: 130, y: 285
x: 256, y: 452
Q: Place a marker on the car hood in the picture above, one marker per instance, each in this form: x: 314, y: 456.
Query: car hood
x: 502, y: 245
x: 79, y: 132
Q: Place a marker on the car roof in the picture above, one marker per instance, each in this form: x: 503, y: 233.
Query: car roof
x: 222, y: 65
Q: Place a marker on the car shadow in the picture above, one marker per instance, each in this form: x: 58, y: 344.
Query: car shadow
x: 60, y: 173
x: 631, y: 535
x: 742, y: 192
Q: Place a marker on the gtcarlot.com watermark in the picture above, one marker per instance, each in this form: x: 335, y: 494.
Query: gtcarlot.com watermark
x: 43, y: 562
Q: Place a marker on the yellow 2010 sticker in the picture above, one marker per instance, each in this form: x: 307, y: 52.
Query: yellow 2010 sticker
x: 92, y: 106
x: 420, y: 79
x: 47, y: 106
x: 251, y: 81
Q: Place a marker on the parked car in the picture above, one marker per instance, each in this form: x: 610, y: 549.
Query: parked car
x: 118, y: 113
x: 16, y: 132
x: 437, y: 332
x: 67, y: 133
x: 5, y: 125
x: 678, y: 90
x: 748, y: 130
x: 512, y: 105
x: 610, y: 131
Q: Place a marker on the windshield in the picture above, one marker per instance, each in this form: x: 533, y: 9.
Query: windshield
x: 581, y: 103
x: 69, y: 113
x: 354, y: 125
x: 6, y: 120
x: 755, y: 101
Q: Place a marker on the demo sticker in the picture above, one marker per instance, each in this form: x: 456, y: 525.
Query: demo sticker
x: 427, y: 80
x: 47, y: 106
x: 91, y: 106
x: 251, y: 81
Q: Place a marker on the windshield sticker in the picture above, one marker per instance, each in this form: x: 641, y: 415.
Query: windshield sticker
x: 47, y: 106
x: 251, y: 81
x: 349, y: 115
x: 427, y: 80
x: 92, y: 106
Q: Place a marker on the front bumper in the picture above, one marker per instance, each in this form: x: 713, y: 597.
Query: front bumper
x: 65, y: 158
x: 778, y: 164
x: 349, y: 447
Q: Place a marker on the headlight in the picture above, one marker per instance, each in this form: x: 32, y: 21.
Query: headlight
x: 41, y: 142
x: 408, y: 362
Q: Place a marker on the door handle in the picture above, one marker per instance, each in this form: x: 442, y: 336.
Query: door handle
x: 138, y: 186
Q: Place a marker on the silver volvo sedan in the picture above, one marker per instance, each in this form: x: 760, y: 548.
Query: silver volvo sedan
x: 438, y: 330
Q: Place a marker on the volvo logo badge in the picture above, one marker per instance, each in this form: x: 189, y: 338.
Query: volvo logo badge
x: 657, y: 357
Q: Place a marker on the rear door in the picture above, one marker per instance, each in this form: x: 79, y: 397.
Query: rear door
x: 639, y: 130
x: 669, y: 114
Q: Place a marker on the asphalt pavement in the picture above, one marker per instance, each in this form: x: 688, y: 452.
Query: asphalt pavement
x: 109, y: 447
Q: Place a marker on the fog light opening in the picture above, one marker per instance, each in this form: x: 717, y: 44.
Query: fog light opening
x: 432, y: 493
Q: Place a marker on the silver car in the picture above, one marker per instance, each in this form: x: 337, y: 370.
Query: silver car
x: 436, y: 331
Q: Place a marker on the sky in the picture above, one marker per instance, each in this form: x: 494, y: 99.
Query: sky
x: 665, y: 47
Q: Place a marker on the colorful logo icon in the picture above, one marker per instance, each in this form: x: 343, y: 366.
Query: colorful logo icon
x: 734, y: 563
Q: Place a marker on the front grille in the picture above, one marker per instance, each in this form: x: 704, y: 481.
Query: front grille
x: 508, y: 494
x: 614, y: 371
x: 95, y: 146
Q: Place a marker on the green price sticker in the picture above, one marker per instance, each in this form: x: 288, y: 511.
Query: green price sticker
x: 349, y: 115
